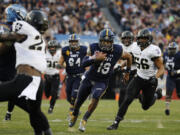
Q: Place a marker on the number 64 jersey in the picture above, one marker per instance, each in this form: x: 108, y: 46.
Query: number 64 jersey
x: 31, y: 51
x: 145, y: 60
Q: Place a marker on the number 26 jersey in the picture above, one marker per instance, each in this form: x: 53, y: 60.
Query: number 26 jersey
x: 31, y: 51
x: 145, y: 60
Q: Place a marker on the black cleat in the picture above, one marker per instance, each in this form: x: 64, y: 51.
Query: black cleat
x: 114, y: 126
x: 7, y: 116
x: 159, y: 93
x: 167, y: 112
x: 50, y: 110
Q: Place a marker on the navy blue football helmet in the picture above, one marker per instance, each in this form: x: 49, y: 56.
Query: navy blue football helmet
x: 15, y: 12
x: 74, y: 41
x: 172, y: 48
x: 106, y: 40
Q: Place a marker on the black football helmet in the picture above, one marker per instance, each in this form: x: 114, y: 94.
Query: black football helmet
x: 144, y: 38
x: 38, y: 19
x: 106, y: 40
x: 172, y: 48
x: 127, y: 38
x: 74, y: 41
x: 53, y: 45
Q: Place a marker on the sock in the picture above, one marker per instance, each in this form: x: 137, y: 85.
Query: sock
x: 86, y: 115
x: 9, y: 112
x: 167, y: 104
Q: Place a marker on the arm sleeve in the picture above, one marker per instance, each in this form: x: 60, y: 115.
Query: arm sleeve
x: 87, y: 61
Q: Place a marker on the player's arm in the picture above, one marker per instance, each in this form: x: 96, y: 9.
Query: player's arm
x: 13, y: 37
x: 159, y: 64
x: 61, y: 62
x: 127, y: 56
x: 97, y: 57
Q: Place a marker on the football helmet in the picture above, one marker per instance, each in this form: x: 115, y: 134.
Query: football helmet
x: 74, y: 41
x: 15, y: 12
x: 127, y: 38
x: 38, y: 19
x: 53, y: 45
x: 144, y: 38
x: 106, y: 40
x: 172, y: 48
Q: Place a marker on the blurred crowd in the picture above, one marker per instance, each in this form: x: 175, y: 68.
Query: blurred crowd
x: 67, y: 16
x: 84, y: 17
x: 162, y: 17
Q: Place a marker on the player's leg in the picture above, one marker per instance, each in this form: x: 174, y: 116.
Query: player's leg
x: 170, y: 86
x: 122, y: 92
x: 47, y: 86
x: 75, y: 88
x: 69, y: 81
x: 178, y: 87
x: 54, y: 92
x: 98, y: 90
x: 133, y: 90
x: 84, y: 91
x: 9, y: 111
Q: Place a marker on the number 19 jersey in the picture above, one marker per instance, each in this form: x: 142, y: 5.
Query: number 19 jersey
x: 145, y: 60
x: 31, y: 51
x: 102, y: 71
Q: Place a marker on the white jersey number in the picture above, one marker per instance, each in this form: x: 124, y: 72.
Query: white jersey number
x: 72, y: 62
x: 104, y: 68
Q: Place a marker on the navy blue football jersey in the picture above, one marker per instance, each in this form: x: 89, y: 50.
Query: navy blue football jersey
x: 73, y: 59
x: 177, y: 61
x: 172, y: 62
x: 102, y: 71
x: 7, y: 57
x: 169, y: 62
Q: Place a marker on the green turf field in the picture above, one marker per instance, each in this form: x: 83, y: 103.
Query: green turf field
x: 137, y: 121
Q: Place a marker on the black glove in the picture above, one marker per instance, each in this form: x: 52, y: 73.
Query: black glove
x: 153, y: 81
x: 118, y: 69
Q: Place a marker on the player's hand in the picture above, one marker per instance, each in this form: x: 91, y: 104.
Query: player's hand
x: 173, y: 73
x: 126, y: 77
x: 100, y: 56
x: 153, y: 81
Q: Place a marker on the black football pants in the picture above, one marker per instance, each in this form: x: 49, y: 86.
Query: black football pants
x: 133, y: 89
x: 10, y: 90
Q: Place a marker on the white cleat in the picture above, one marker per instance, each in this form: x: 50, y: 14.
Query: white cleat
x: 82, y: 125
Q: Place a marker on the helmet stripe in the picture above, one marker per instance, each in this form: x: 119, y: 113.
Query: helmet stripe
x: 107, y: 31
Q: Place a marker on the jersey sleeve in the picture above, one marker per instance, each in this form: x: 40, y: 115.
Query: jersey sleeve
x: 156, y: 52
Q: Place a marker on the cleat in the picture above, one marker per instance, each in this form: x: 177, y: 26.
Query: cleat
x: 50, y: 110
x: 159, y: 93
x: 82, y: 125
x: 167, y: 112
x: 8, y: 116
x: 72, y: 120
x: 114, y: 126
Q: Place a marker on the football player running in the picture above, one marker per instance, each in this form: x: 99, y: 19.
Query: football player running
x: 25, y: 90
x: 72, y: 56
x: 172, y: 65
x: 147, y: 56
x: 7, y: 52
x: 103, y: 57
x: 52, y: 78
x: 127, y: 39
